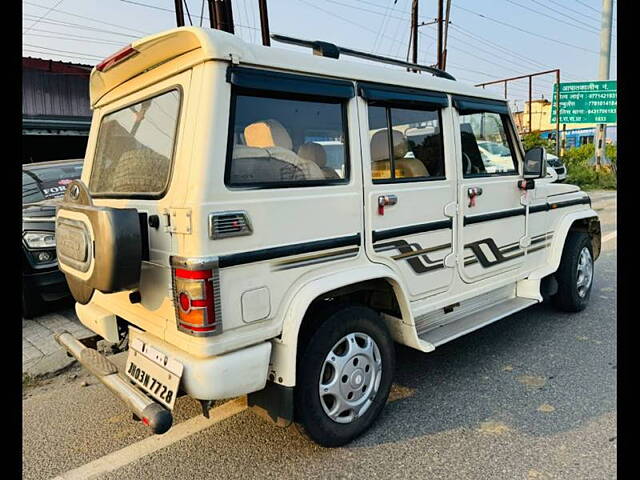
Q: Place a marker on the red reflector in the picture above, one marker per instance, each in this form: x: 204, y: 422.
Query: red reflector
x: 117, y: 57
x: 185, y: 301
x: 145, y: 420
x: 194, y: 274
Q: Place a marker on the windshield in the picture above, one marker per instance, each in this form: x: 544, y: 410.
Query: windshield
x: 135, y: 147
x: 46, y: 182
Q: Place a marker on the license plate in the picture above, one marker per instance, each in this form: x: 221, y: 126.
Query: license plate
x: 154, y: 372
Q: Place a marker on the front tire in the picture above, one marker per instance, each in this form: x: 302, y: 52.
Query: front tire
x: 344, y: 376
x: 575, y: 274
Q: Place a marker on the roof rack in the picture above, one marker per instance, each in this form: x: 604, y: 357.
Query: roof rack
x: 330, y: 50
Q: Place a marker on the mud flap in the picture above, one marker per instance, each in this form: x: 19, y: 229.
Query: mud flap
x: 98, y: 248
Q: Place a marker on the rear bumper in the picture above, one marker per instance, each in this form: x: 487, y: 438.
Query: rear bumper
x: 151, y: 413
x: 214, y: 378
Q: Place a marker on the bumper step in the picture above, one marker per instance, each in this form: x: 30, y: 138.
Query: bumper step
x: 152, y: 414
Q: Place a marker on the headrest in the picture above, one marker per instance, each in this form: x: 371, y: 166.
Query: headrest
x: 314, y: 152
x: 267, y: 133
x: 380, y: 145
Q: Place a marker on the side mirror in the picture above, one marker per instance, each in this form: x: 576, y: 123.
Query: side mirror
x: 535, y: 163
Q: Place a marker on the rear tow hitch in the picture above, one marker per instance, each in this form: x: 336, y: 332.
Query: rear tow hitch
x: 152, y: 414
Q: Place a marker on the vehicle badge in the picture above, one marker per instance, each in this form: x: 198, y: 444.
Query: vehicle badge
x: 75, y: 192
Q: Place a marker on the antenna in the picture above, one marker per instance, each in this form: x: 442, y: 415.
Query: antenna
x: 331, y: 50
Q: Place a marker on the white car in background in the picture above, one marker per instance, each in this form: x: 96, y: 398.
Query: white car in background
x: 497, y: 157
x: 554, y: 162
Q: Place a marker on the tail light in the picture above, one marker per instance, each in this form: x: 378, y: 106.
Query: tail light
x: 113, y: 60
x: 196, y: 297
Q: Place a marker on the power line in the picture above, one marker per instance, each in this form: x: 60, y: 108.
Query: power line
x: 68, y: 37
x: 565, y: 15
x: 75, y: 57
x: 564, y: 22
x: 101, y: 22
x: 85, y: 55
x: 82, y: 27
x: 71, y: 35
x: 554, y: 40
x: 44, y: 15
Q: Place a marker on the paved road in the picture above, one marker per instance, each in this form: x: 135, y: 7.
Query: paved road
x: 530, y: 397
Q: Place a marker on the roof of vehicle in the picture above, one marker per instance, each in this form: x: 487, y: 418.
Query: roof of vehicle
x: 52, y: 163
x: 210, y: 44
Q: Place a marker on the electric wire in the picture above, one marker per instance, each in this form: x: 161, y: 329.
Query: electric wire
x: 101, y: 22
x: 44, y: 15
x: 590, y: 29
x: 550, y: 39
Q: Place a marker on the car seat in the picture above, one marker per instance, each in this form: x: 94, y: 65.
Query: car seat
x: 315, y: 152
x: 404, y: 167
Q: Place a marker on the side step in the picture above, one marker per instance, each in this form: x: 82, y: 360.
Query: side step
x: 450, y: 331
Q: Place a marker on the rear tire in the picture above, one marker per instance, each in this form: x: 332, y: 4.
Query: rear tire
x: 344, y: 376
x: 575, y: 274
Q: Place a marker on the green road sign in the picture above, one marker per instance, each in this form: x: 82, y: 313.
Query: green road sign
x: 586, y: 102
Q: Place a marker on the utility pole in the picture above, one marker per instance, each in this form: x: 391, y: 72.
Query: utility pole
x: 440, y: 48
x: 603, y: 74
x: 179, y: 13
x: 264, y: 23
x: 414, y: 30
x: 212, y: 14
x: 222, y: 15
x: 446, y: 36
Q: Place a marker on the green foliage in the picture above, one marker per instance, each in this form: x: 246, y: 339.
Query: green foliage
x: 580, y: 171
x: 533, y: 139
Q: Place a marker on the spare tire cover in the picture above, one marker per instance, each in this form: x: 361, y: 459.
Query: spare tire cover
x: 78, y: 193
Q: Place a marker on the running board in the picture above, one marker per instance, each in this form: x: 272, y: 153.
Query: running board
x: 445, y: 333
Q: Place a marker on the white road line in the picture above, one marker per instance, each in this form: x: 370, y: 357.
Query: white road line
x: 610, y: 236
x: 140, y: 449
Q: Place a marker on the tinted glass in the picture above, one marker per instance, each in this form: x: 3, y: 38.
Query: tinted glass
x: 135, y: 147
x: 417, y: 143
x: 279, y: 142
x: 485, y: 146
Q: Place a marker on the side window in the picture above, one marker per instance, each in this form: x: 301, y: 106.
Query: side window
x: 486, y: 147
x: 279, y: 142
x: 415, y: 138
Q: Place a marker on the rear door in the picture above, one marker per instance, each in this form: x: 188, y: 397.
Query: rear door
x: 409, y: 186
x: 493, y: 221
x: 137, y: 161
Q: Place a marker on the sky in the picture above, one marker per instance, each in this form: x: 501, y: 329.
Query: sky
x: 488, y: 39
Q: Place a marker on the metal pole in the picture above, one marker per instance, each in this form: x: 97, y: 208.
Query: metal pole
x: 505, y: 90
x: 564, y: 139
x: 223, y: 15
x: 179, y: 13
x: 414, y: 30
x: 264, y: 23
x: 212, y: 14
x: 530, y: 81
x: 446, y: 35
x: 440, y: 48
x: 603, y: 74
x: 558, y: 113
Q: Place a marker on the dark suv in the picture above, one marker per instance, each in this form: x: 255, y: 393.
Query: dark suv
x: 43, y: 184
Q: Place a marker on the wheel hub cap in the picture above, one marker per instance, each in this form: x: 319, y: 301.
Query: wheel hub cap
x: 584, y: 274
x: 350, y: 377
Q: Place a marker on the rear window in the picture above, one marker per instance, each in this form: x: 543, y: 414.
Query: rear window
x: 134, y: 151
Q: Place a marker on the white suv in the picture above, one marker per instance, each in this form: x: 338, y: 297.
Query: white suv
x: 211, y: 231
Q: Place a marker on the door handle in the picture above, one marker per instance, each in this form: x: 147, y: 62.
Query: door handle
x: 472, y: 193
x: 386, y: 201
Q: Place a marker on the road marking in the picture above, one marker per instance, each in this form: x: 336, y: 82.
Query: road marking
x: 610, y: 236
x: 140, y: 449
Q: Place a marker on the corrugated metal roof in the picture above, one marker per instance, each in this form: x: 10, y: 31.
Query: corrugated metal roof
x: 50, y: 93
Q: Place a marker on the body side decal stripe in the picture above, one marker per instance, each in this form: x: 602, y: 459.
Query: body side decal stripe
x: 287, y: 250
x: 410, y: 230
